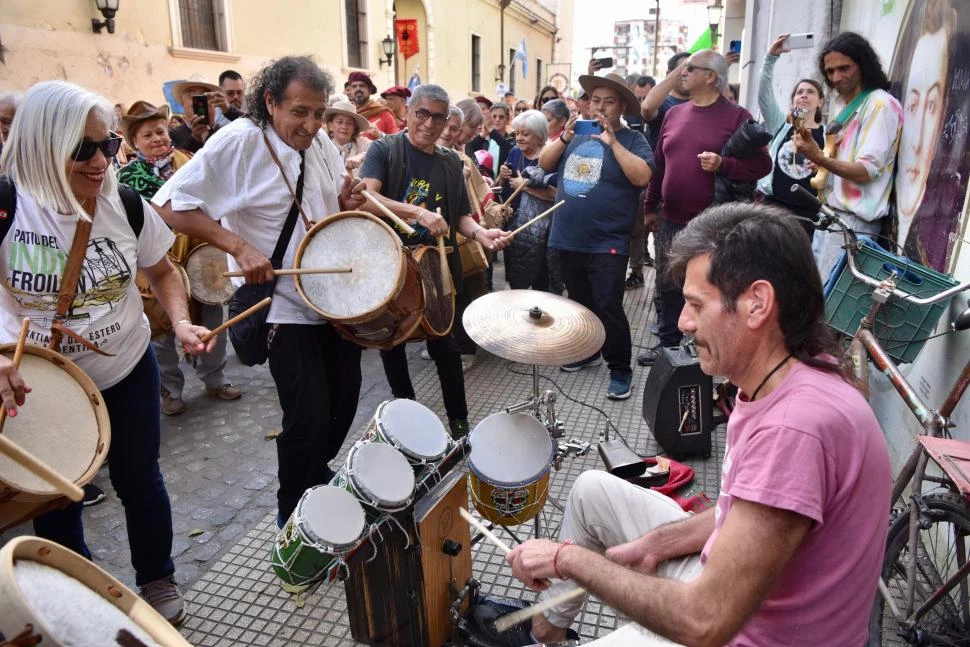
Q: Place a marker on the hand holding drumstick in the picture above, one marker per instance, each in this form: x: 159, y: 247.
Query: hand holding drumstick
x: 13, y: 389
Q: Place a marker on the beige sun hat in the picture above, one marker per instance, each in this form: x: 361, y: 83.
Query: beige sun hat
x: 615, y: 82
x: 346, y: 108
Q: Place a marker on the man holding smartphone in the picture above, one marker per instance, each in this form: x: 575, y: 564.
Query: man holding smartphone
x: 601, y: 174
x: 199, y: 102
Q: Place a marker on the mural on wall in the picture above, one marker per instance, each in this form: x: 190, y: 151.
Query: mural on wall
x: 930, y: 76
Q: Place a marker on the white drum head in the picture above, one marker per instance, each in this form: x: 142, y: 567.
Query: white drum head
x: 510, y: 449
x: 363, y: 243
x: 330, y: 516
x: 414, y: 427
x: 382, y: 474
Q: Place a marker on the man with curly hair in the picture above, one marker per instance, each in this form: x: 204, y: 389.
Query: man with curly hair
x: 236, y: 180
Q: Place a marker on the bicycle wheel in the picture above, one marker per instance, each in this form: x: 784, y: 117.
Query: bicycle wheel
x: 942, y: 549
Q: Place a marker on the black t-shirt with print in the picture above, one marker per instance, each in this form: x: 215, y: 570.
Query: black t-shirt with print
x: 791, y: 168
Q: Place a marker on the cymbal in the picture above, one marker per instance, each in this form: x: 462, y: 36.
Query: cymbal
x: 533, y: 327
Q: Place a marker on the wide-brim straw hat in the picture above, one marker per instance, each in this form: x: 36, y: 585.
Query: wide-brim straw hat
x: 141, y: 111
x: 346, y: 108
x: 615, y: 82
x: 182, y: 87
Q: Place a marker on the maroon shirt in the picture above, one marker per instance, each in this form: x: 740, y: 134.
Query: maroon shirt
x: 687, y: 131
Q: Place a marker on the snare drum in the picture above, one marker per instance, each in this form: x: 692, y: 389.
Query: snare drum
x: 158, y: 320
x: 412, y: 429
x: 327, y: 523
x: 379, y: 304
x: 439, y: 307
x: 64, y: 423
x: 379, y: 476
x: 50, y: 595
x: 205, y: 266
x: 510, y: 459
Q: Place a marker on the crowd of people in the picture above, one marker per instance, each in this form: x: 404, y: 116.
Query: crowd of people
x: 250, y: 166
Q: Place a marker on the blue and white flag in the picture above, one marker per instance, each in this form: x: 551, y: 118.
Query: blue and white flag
x: 414, y: 81
x: 521, y: 56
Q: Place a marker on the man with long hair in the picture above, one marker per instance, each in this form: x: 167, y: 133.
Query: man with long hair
x: 865, y: 135
x: 787, y: 555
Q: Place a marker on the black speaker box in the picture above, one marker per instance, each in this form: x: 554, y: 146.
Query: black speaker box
x: 677, y: 404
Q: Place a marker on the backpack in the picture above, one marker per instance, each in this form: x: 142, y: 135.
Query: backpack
x: 130, y: 198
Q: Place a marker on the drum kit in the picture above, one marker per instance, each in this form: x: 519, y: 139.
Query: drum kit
x: 394, y: 507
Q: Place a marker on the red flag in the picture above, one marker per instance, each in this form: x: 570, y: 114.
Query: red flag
x: 406, y: 30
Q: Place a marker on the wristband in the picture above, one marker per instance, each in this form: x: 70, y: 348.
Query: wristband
x: 563, y: 139
x: 475, y: 233
x: 555, y: 558
x: 182, y: 321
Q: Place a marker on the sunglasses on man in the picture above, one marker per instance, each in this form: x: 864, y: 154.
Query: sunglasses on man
x: 87, y: 148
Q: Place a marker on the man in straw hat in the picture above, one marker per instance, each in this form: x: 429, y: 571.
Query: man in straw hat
x: 251, y: 176
x: 359, y: 90
x: 691, y: 139
x: 600, y: 178
x: 192, y: 135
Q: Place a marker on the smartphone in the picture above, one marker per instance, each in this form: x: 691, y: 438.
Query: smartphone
x: 602, y: 63
x: 200, y: 106
x: 587, y: 127
x: 800, y: 41
x: 735, y: 47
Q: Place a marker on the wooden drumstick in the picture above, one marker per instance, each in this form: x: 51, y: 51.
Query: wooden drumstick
x: 239, y: 317
x: 293, y: 271
x: 18, y: 353
x: 477, y: 525
x: 515, y: 193
x: 508, y: 621
x: 403, y: 226
x: 446, y: 288
x: 537, y: 218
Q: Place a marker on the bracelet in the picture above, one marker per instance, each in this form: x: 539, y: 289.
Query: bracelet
x: 182, y: 321
x: 555, y: 558
x: 563, y: 139
x: 474, y: 235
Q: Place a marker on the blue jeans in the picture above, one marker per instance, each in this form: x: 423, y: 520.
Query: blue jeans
x: 671, y: 295
x: 133, y: 409
x: 596, y: 281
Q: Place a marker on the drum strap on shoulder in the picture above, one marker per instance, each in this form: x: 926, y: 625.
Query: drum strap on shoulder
x: 130, y: 198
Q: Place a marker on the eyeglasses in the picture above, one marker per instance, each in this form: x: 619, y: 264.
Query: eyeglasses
x: 87, y: 148
x: 437, y: 118
x: 545, y: 99
x: 691, y: 67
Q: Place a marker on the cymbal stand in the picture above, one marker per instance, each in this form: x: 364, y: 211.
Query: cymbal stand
x: 535, y: 404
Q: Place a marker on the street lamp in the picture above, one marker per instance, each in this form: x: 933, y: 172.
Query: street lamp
x: 387, y: 45
x: 108, y: 9
x: 714, y: 20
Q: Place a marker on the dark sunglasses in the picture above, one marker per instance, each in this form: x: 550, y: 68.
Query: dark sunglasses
x: 437, y: 118
x: 545, y: 99
x: 87, y: 148
x: 691, y: 67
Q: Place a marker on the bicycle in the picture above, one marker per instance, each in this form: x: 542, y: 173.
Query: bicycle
x: 923, y: 596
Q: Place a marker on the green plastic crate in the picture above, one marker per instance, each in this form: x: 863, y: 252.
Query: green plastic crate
x: 898, y: 322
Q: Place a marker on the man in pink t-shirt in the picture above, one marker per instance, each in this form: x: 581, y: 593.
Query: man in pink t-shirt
x: 791, y: 553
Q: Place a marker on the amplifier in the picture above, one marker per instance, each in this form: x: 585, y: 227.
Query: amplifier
x: 678, y: 403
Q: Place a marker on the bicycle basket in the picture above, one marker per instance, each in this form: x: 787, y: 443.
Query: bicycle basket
x: 898, y: 322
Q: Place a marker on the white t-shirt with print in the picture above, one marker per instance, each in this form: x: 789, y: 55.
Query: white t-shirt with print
x: 233, y: 178
x: 107, y: 310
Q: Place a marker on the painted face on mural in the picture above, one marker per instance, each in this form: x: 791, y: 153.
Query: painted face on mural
x: 923, y: 105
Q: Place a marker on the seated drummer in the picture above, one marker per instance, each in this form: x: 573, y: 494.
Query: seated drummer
x: 792, y: 553
x: 422, y: 178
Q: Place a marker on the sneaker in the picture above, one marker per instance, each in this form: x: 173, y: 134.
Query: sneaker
x: 633, y: 281
x: 467, y: 361
x: 164, y: 596
x: 172, y: 405
x: 425, y: 354
x: 621, y: 385
x: 93, y: 495
x: 589, y: 362
x: 458, y: 427
x: 648, y: 357
x: 655, y: 328
x: 225, y: 392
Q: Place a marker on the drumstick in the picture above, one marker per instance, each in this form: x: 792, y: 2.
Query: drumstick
x: 445, y: 270
x: 403, y: 226
x: 18, y: 353
x: 538, y: 218
x: 515, y: 193
x: 299, y: 271
x: 239, y: 317
x: 40, y: 469
x: 477, y: 525
x: 508, y: 621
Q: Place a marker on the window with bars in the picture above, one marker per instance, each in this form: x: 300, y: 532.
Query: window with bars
x: 203, y: 24
x: 356, y: 12
x: 476, y: 63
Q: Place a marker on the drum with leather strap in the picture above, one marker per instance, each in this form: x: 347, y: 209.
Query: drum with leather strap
x: 205, y: 267
x: 158, y: 320
x: 473, y: 257
x: 439, y: 295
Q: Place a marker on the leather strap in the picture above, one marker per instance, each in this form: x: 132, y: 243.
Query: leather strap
x: 296, y: 199
x: 72, y: 272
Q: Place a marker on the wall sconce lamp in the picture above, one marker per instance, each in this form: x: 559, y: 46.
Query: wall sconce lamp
x: 108, y: 9
x: 388, y: 46
x: 500, y: 72
x: 714, y: 20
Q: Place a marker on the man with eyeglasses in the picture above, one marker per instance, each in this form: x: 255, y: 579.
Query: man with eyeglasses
x: 424, y: 185
x: 600, y: 177
x: 688, y: 159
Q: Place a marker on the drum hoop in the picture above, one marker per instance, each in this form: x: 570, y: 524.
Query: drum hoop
x: 97, y: 405
x: 425, y: 324
x: 298, y: 259
x: 96, y: 579
x: 361, y: 490
x: 188, y: 282
x: 395, y: 441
